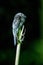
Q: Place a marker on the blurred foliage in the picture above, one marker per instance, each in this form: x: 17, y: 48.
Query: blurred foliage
x: 34, y: 55
x: 32, y: 49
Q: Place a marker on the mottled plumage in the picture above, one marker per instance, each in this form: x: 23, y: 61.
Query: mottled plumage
x: 18, y: 21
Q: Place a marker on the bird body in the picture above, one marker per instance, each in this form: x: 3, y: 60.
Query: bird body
x: 18, y: 21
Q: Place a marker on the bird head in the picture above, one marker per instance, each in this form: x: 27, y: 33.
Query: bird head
x: 20, y: 17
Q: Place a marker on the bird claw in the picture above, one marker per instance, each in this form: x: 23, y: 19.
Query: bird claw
x: 22, y: 39
x: 24, y: 32
x: 21, y: 36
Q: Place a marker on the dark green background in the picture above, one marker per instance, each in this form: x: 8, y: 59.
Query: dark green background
x: 32, y: 47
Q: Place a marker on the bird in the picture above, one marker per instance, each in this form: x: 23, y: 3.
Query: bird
x: 17, y: 23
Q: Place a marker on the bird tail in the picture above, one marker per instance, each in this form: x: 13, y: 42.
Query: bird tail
x: 14, y: 39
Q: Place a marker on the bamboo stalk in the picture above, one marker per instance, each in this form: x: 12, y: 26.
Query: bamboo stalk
x: 18, y: 48
x: 17, y: 54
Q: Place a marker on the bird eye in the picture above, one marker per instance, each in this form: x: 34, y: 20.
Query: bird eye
x: 19, y: 17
